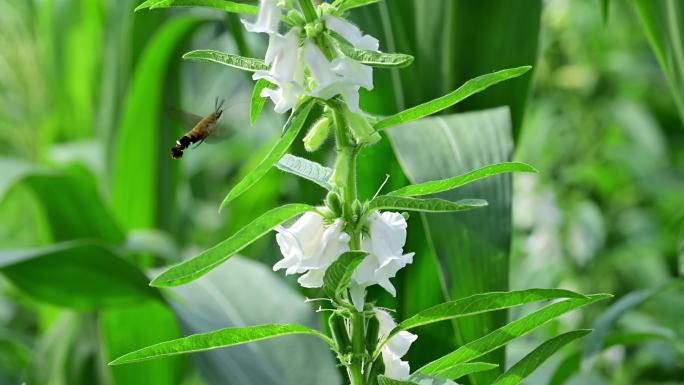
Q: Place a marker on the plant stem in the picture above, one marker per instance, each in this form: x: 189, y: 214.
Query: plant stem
x: 308, y: 10
x: 358, y: 348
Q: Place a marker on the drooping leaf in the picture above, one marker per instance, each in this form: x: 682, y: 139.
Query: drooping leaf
x: 84, y: 275
x: 470, y: 87
x: 459, y: 370
x: 430, y: 205
x: 528, y: 364
x: 223, y: 5
x: 258, y: 101
x: 505, y: 334
x: 339, y: 274
x: 307, y: 169
x: 215, y: 340
x: 292, y: 128
x: 437, y: 186
x: 201, y: 264
x: 230, y: 60
x: 481, y: 303
x: 371, y: 58
x: 244, y: 292
x: 350, y: 4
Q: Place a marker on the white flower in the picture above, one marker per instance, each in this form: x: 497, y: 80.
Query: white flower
x: 309, y: 246
x: 286, y: 71
x: 267, y: 20
x: 352, y: 33
x: 395, y: 348
x: 385, y: 245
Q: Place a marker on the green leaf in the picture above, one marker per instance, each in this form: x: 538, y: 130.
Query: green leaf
x: 470, y: 87
x: 371, y: 58
x: 244, y: 292
x: 459, y: 370
x: 431, y: 205
x: 350, y: 4
x: 528, y: 364
x: 196, y: 267
x: 307, y: 169
x: 339, y: 274
x: 437, y: 186
x: 84, y: 275
x: 481, y: 303
x: 223, y: 5
x: 292, y: 128
x: 215, y: 340
x: 382, y: 380
x: 258, y: 101
x: 507, y: 333
x: 230, y: 60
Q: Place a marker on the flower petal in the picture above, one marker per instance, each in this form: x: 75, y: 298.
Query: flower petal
x: 268, y: 18
x: 352, y: 33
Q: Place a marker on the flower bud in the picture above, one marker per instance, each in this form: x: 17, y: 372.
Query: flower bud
x: 405, y: 215
x: 333, y: 202
x: 363, y: 132
x: 296, y: 17
x: 317, y: 134
x: 357, y: 210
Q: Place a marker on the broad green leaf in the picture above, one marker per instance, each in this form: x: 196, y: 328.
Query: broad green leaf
x: 223, y: 5
x: 258, y: 101
x: 307, y: 169
x: 143, y: 177
x: 230, y: 60
x: 470, y: 87
x: 528, y: 364
x: 215, y: 340
x: 481, y: 303
x: 197, y: 266
x: 84, y: 275
x: 430, y: 205
x: 244, y: 292
x: 350, y: 4
x: 505, y: 334
x: 437, y: 186
x: 339, y: 274
x: 371, y: 58
x: 459, y: 370
x: 291, y: 130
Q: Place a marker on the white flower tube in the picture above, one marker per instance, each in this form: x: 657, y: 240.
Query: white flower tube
x: 385, y: 245
x: 309, y: 246
x: 267, y: 20
x: 352, y: 33
x: 395, y: 348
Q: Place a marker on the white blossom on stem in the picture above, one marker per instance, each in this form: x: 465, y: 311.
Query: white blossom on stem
x: 310, y: 246
x: 395, y: 348
x: 267, y: 20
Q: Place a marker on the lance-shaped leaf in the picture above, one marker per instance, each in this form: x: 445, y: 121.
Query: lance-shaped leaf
x: 507, y: 333
x: 346, y: 5
x: 215, y: 340
x: 235, y: 61
x: 292, y: 128
x: 459, y: 370
x: 382, y: 380
x: 371, y: 58
x: 528, y: 364
x: 470, y: 87
x: 431, y: 205
x: 196, y: 267
x: 437, y: 186
x: 482, y: 303
x: 307, y: 169
x: 223, y: 5
x: 258, y: 101
x: 339, y: 274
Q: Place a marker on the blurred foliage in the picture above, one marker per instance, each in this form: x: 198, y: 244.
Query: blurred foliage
x: 85, y: 87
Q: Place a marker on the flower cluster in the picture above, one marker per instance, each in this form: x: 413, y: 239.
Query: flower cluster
x: 395, y: 348
x: 298, y: 66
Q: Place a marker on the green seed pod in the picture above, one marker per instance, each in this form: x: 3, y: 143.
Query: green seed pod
x: 317, y: 134
x: 372, y: 331
x: 334, y: 203
x: 339, y: 332
x: 363, y: 132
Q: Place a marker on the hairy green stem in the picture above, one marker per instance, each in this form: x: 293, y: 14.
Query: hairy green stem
x: 308, y: 10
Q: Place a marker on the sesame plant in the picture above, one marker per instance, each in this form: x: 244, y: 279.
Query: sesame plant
x: 314, y: 67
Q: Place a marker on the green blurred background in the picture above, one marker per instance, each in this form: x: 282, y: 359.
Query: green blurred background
x: 91, y: 202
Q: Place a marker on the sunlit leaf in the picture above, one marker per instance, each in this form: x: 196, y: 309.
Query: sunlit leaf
x: 523, y: 368
x: 258, y: 101
x: 346, y: 5
x: 223, y: 5
x: 291, y: 130
x: 230, y: 60
x: 437, y: 186
x: 307, y: 169
x: 431, y: 205
x: 215, y: 340
x: 470, y: 87
x: 371, y: 58
x: 509, y: 332
x: 382, y: 380
x: 196, y: 267
x: 339, y: 274
x: 459, y: 370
